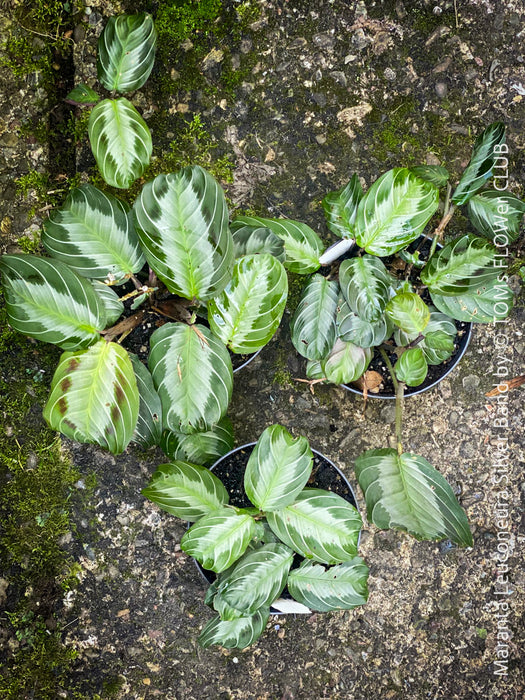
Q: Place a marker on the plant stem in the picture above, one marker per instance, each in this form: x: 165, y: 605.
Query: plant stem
x: 449, y: 213
x: 400, y: 395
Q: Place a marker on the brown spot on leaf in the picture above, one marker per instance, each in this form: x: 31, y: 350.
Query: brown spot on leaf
x: 73, y: 364
x: 65, y: 384
x: 62, y: 405
x: 115, y: 413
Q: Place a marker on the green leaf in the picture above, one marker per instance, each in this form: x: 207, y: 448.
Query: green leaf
x: 258, y: 578
x: 461, y: 265
x: 219, y: 538
x: 313, y: 327
x: 438, y: 341
x: 435, y: 174
x: 248, y: 240
x: 320, y: 525
x: 407, y: 493
x: 109, y: 300
x: 302, y: 245
x: 346, y: 362
x: 183, y: 227
x: 278, y: 469
x: 186, y: 490
x: 202, y: 448
x: 352, y: 329
x: 149, y: 423
x: 481, y: 165
x: 120, y: 141
x: 82, y: 95
x: 408, y: 311
x: 314, y: 370
x: 492, y: 301
x: 126, y: 52
x: 193, y: 374
x: 93, y: 233
x: 340, y: 208
x: 496, y: 215
x: 341, y: 587
x: 246, y: 314
x: 412, y: 367
x: 365, y: 284
x: 94, y: 396
x: 234, y: 634
x: 394, y: 212
x: 46, y: 300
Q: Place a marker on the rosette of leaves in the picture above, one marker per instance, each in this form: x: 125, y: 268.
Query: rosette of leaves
x: 119, y: 137
x: 295, y: 537
x: 206, y: 300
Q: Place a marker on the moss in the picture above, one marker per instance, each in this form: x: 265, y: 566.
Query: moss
x: 178, y: 21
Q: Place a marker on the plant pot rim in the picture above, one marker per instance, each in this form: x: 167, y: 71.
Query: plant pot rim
x: 414, y: 391
x: 274, y: 611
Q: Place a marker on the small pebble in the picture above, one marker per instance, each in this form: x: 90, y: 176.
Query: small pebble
x: 441, y: 90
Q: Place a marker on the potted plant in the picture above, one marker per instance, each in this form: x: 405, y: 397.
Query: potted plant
x: 278, y: 532
x: 207, y: 293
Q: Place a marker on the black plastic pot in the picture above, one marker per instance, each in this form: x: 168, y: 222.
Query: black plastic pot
x: 230, y: 470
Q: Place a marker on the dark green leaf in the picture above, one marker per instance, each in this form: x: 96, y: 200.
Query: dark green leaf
x: 313, y: 326
x: 496, y: 215
x: 435, y: 174
x: 340, y: 587
x: 480, y: 169
x: 492, y: 301
x: 149, y: 424
x: 82, y: 95
x: 340, y: 208
x: 234, y: 634
x: 248, y: 240
x: 201, y: 448
x: 365, y: 284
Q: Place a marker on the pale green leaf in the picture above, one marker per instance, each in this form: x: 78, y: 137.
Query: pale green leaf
x: 120, y: 141
x: 340, y: 587
x: 394, y: 211
x: 202, y: 448
x: 192, y: 372
x: 313, y: 326
x: 352, y: 329
x: 246, y: 314
x: 126, y: 52
x: 461, y: 265
x: 82, y: 95
x: 438, y: 338
x: 340, y: 208
x: 365, y: 284
x: 435, y: 174
x: 409, y: 312
x: 234, y: 634
x: 110, y: 300
x: 94, y: 396
x: 346, y: 362
x: 320, y: 525
x: 186, y: 490
x: 412, y: 368
x: 481, y: 165
x: 278, y: 469
x: 183, y: 227
x: 219, y: 538
x: 497, y: 215
x: 302, y: 245
x: 407, y: 493
x: 248, y: 240
x: 46, y: 300
x: 93, y: 233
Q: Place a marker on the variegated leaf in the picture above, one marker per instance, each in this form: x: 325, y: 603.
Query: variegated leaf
x: 93, y: 233
x: 120, y: 141
x: 365, y: 284
x: 82, y: 95
x: 461, y: 265
x: 481, y: 165
x: 193, y: 374
x: 412, y: 368
x: 346, y: 362
x: 94, y: 396
x: 186, y: 490
x: 340, y: 208
x: 352, y: 329
x: 183, y: 227
x: 438, y: 341
x: 258, y: 578
x: 46, y: 300
x: 320, y: 525
x: 149, y: 423
x: 110, y: 300
x: 497, y: 215
x: 201, y: 448
x: 409, y: 312
x: 314, y: 370
x: 313, y: 326
x: 490, y: 302
x: 302, y: 245
x: 394, y: 211
x: 234, y: 634
x: 435, y: 174
x: 246, y: 314
x: 219, y: 538
x: 126, y: 52
x: 340, y: 587
x: 278, y: 469
x: 248, y: 240
x: 407, y: 493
